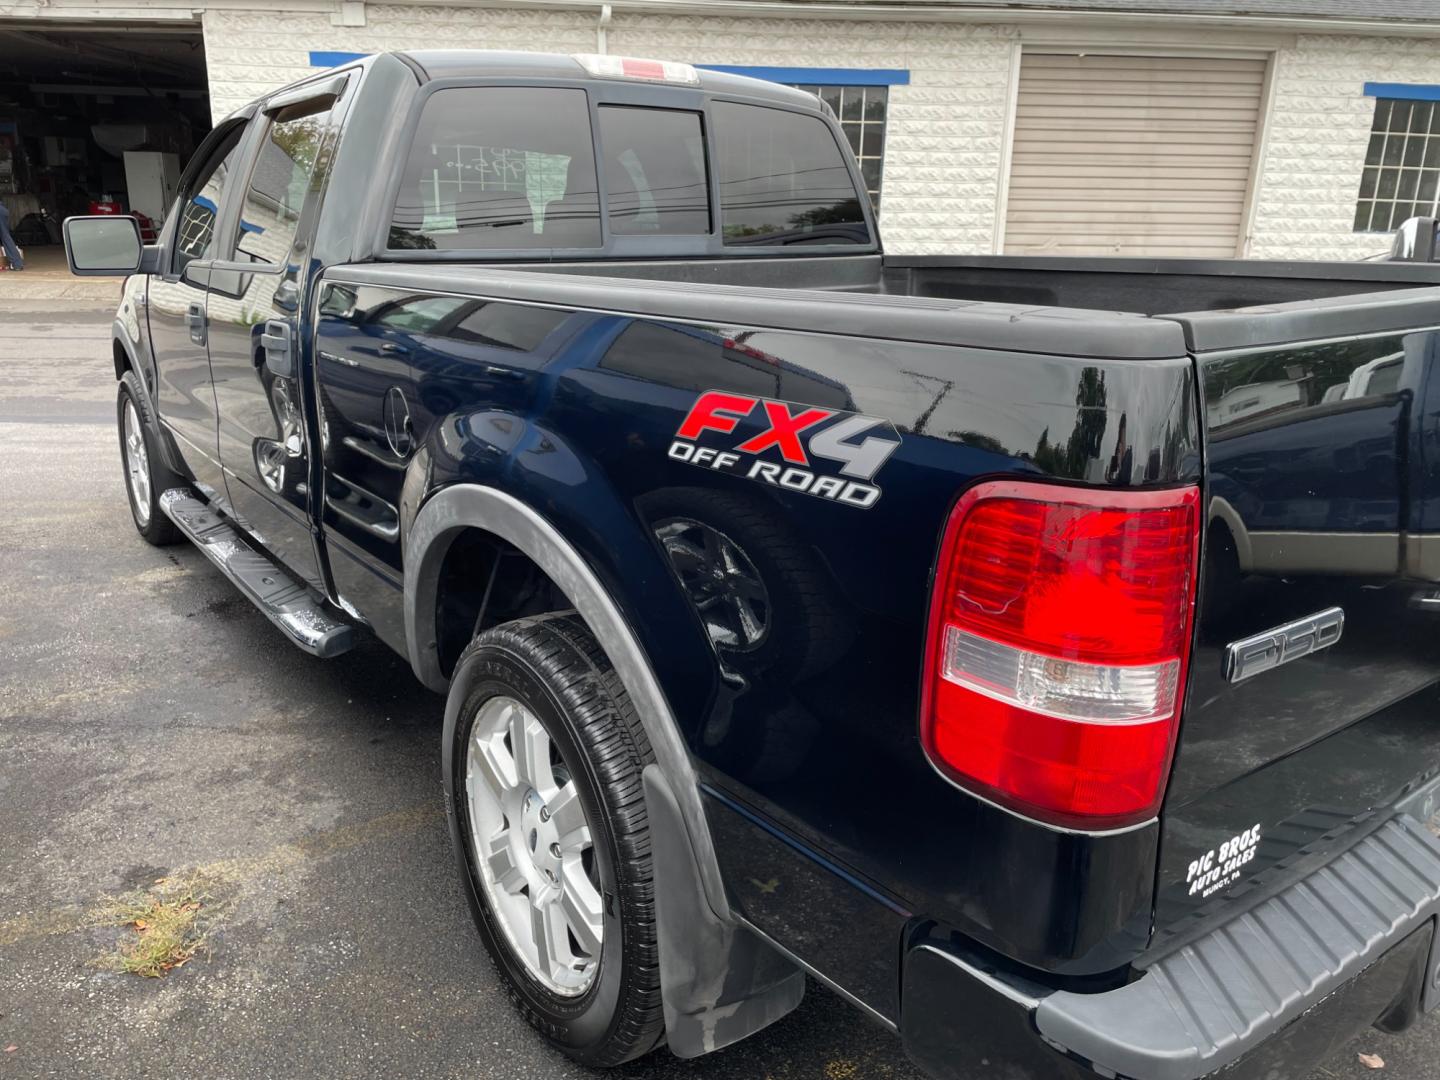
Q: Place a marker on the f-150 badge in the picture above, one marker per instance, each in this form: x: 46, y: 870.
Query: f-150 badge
x: 822, y: 452
x: 1250, y: 656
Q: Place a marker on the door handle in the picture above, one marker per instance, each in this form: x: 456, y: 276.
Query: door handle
x: 392, y: 349
x: 275, y: 340
x: 195, y: 320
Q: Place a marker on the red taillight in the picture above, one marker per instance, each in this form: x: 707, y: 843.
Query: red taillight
x: 1059, y: 635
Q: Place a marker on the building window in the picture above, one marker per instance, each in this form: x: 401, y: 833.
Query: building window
x: 861, y: 110
x: 1402, y: 166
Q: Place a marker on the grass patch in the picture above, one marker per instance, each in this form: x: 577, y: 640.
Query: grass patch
x: 169, y: 924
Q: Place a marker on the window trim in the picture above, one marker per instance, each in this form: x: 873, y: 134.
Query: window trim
x: 169, y: 240
x: 257, y: 127
x: 1403, y: 91
x: 326, y: 103
x: 865, y: 87
x: 708, y: 245
x: 1425, y: 139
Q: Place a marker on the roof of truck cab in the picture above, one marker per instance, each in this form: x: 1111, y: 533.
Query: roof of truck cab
x: 494, y: 63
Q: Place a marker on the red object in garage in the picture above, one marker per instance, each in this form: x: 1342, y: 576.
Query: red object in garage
x: 148, y: 234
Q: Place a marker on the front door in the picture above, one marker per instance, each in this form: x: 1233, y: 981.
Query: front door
x: 176, y: 302
x: 254, y: 315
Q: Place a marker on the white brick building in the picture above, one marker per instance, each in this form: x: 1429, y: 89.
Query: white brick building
x: 1129, y: 126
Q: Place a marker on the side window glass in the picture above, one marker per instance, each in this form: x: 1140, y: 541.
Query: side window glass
x: 783, y: 179
x: 654, y: 171
x: 500, y: 167
x: 278, y: 184
x: 195, y: 236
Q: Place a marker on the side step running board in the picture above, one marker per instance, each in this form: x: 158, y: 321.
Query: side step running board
x: 285, y: 602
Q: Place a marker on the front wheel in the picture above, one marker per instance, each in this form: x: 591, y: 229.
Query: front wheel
x: 146, y: 475
x: 544, y: 754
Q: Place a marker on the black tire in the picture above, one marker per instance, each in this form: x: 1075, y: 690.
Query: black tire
x: 150, y: 521
x: 553, y: 665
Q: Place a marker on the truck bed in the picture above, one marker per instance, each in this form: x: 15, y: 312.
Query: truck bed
x: 986, y: 354
x: 1138, y: 286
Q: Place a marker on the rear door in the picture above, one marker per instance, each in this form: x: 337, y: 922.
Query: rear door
x: 1313, y: 692
x: 254, y: 312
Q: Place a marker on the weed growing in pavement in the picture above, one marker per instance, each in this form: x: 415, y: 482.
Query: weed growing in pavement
x: 170, y: 924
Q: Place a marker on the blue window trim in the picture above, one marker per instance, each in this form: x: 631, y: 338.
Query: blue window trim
x: 819, y: 76
x: 1403, y: 91
x: 334, y: 59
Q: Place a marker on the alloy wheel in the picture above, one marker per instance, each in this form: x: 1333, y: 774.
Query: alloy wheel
x: 720, y: 580
x: 137, y: 464
x: 533, y: 848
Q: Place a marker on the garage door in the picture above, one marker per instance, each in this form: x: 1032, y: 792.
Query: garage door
x: 1132, y: 155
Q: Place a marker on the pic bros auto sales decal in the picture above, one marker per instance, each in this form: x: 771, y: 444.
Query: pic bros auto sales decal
x: 829, y: 454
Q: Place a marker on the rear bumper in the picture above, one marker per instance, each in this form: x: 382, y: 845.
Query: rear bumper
x: 1350, y: 945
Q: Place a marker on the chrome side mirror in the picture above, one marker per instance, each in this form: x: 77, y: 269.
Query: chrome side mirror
x: 103, y: 246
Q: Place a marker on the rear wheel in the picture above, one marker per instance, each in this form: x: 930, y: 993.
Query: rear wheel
x: 146, y: 475
x: 544, y: 756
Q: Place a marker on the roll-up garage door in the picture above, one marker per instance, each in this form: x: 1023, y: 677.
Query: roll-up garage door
x: 1132, y: 155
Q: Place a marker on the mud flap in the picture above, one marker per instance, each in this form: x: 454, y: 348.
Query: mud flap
x: 718, y: 981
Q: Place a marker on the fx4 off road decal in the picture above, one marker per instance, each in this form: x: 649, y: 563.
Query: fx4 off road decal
x: 822, y: 452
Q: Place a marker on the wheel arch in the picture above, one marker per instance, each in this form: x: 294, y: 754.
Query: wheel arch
x: 460, y: 508
x: 123, y: 355
x: 1223, y: 515
x: 720, y: 982
x: 124, y: 361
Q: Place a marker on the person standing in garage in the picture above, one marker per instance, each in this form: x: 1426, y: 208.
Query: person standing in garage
x: 7, y: 242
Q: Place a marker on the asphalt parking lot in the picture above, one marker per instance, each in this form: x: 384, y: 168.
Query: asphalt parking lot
x: 151, y: 723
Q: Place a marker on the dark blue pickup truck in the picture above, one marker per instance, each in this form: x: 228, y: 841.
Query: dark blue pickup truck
x: 1042, y: 653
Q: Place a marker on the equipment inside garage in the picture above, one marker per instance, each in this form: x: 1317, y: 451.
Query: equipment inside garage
x: 96, y: 118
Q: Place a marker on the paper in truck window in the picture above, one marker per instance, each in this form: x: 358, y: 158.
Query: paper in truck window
x: 499, y: 167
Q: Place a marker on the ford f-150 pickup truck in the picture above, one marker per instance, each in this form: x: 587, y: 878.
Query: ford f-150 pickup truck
x: 1043, y: 653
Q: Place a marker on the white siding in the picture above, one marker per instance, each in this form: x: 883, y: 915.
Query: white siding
x: 252, y: 52
x: 1318, y: 130
x: 946, y: 136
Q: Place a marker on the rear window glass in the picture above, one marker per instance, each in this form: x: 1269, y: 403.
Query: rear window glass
x: 783, y: 179
x: 654, y: 171
x: 500, y: 167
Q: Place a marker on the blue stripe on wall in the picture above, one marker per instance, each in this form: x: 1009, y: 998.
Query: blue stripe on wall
x: 815, y: 76
x: 334, y: 59
x: 1403, y: 91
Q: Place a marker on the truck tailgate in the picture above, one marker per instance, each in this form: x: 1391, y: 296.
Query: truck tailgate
x: 1313, y: 694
